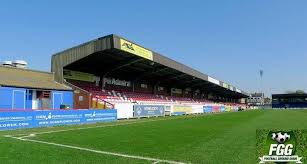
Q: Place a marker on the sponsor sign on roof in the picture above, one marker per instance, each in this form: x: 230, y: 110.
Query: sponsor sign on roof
x: 135, y: 49
x: 213, y: 80
x: 225, y: 85
x: 76, y: 75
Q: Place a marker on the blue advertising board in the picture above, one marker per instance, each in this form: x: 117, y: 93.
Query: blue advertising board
x: 31, y: 119
x: 14, y: 120
x: 148, y: 110
x: 178, y: 113
x: 208, y: 109
x: 222, y: 109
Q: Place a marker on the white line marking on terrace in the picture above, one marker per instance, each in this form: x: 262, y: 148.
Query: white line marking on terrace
x: 154, y: 160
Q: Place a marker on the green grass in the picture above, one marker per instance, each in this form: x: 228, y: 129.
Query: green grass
x: 218, y: 138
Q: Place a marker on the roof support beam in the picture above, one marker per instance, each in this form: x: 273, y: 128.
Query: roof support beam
x: 152, y: 72
x: 124, y: 64
x: 175, y: 77
x: 200, y: 83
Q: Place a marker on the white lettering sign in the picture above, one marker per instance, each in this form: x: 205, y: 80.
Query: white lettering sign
x: 114, y: 81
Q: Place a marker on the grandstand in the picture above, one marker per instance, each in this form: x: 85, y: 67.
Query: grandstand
x: 289, y: 101
x: 112, y: 70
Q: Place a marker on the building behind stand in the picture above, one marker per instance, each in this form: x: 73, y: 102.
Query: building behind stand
x: 25, y: 89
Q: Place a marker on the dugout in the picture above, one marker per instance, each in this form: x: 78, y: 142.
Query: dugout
x: 289, y: 100
x: 24, y: 89
x: 112, y: 62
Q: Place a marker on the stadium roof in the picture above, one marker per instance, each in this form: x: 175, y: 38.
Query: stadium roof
x: 257, y: 94
x: 25, y: 78
x: 118, y: 57
x: 289, y: 95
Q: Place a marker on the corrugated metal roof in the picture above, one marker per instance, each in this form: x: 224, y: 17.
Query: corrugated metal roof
x: 17, y: 77
x: 66, y: 57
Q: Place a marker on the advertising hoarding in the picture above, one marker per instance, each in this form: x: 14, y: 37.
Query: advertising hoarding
x: 31, y: 119
x: 182, y: 108
x: 222, y: 108
x: 216, y: 109
x: 207, y: 109
x: 148, y: 110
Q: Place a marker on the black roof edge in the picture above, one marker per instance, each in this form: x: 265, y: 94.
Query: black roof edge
x: 110, y: 35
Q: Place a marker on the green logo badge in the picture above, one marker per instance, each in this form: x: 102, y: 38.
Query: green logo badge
x: 280, y: 147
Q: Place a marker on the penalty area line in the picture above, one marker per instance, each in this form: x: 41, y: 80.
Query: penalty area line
x: 154, y: 160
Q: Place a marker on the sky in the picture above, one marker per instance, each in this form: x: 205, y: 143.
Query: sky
x: 230, y: 40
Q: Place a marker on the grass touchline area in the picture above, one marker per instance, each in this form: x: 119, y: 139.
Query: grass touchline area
x: 154, y: 160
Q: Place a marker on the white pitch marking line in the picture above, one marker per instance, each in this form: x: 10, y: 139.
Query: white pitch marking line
x: 30, y: 135
x: 155, y: 160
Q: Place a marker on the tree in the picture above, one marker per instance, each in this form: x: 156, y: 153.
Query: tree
x: 296, y: 92
x: 300, y: 92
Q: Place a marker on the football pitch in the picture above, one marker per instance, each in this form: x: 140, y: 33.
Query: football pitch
x: 209, y: 138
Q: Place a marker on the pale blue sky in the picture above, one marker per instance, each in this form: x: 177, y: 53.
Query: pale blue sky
x: 230, y: 40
